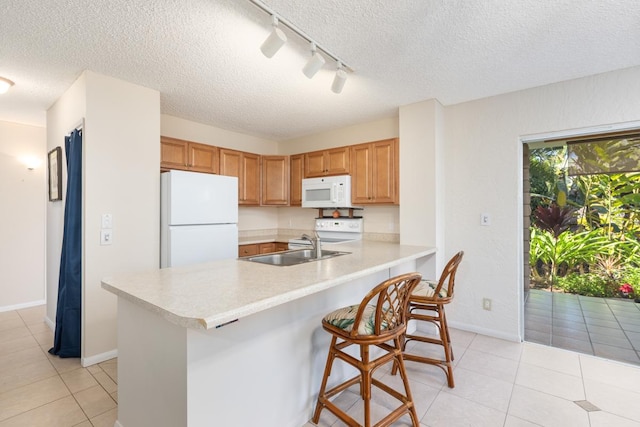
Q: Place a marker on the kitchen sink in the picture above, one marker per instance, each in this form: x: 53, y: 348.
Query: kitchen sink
x: 295, y: 257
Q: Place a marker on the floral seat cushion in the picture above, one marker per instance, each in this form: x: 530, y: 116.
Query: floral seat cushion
x: 427, y: 289
x: 344, y: 318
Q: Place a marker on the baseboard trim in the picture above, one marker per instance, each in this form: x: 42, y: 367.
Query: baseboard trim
x: 50, y: 323
x: 117, y: 424
x: 98, y: 358
x: 21, y: 306
x: 485, y: 331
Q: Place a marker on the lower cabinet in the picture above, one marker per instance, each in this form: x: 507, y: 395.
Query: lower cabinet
x: 261, y: 248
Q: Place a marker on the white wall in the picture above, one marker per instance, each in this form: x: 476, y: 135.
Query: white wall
x: 121, y: 155
x: 192, y: 131
x: 422, y: 180
x: 22, y: 218
x: 356, y: 134
x: 483, y: 173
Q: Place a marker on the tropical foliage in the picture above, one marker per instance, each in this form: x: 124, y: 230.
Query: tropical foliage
x: 585, y: 229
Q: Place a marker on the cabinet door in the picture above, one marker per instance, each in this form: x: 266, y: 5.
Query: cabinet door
x: 384, y: 174
x: 173, y: 153
x: 296, y: 172
x: 337, y: 161
x: 267, y: 248
x: 282, y: 246
x: 374, y: 173
x: 361, y: 173
x: 250, y: 171
x: 203, y: 158
x: 275, y: 180
x: 248, y: 250
x: 230, y: 162
x: 314, y: 164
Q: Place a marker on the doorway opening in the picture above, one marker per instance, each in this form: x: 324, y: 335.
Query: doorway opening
x: 582, y: 244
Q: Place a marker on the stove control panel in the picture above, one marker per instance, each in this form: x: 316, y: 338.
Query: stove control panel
x: 349, y: 225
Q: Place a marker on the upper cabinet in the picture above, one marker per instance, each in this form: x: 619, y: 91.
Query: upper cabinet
x: 296, y: 173
x: 374, y: 173
x: 246, y: 167
x: 187, y: 155
x: 275, y: 180
x: 327, y: 162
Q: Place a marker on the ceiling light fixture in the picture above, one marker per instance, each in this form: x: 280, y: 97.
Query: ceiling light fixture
x: 277, y: 39
x: 314, y: 63
x: 5, y: 84
x: 339, y: 80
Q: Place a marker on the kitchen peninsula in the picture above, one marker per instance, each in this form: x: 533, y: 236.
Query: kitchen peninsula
x: 234, y: 342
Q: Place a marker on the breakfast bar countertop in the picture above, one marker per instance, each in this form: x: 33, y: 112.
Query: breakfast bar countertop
x: 208, y: 295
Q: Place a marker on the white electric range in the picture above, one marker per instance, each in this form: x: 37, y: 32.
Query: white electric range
x: 332, y: 231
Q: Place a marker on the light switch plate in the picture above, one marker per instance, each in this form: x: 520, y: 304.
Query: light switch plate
x: 107, y: 221
x: 106, y: 236
x: 485, y: 219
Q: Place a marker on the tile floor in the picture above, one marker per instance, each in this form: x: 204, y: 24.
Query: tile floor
x: 38, y: 389
x: 498, y: 383
x: 606, y: 327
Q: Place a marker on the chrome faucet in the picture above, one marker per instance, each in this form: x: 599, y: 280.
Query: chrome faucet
x: 315, y: 243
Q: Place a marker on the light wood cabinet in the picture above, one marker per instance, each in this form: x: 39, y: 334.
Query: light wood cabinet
x: 248, y: 250
x: 282, y: 246
x: 187, y: 155
x: 275, y: 180
x: 374, y: 172
x: 296, y: 173
x: 327, y: 162
x: 261, y: 248
x: 246, y: 167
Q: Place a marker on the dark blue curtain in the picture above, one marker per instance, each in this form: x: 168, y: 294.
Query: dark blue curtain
x: 67, y: 336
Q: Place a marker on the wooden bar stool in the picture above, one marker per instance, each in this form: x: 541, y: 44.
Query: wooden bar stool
x: 426, y: 303
x: 380, y: 321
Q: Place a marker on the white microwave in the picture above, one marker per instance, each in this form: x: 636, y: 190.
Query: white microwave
x: 327, y: 192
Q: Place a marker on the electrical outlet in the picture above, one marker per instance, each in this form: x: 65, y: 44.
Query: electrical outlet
x: 486, y: 304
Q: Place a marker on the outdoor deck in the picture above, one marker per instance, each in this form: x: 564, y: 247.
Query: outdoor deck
x: 604, y: 327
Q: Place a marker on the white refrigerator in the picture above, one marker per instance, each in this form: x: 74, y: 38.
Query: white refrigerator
x: 198, y: 218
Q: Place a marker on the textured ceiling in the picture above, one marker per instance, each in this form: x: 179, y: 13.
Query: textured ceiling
x: 204, y: 58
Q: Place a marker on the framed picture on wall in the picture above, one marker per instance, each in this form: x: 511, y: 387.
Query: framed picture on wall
x: 55, y: 174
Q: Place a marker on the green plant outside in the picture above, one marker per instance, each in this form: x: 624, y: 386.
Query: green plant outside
x: 601, y: 251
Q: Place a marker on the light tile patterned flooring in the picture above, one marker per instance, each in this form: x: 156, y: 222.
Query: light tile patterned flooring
x: 606, y: 327
x: 38, y: 389
x: 498, y: 383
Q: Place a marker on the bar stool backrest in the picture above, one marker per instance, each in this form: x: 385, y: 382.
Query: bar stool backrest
x: 448, y: 277
x: 390, y: 299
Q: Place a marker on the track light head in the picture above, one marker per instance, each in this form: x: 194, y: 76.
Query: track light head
x: 314, y: 63
x: 339, y: 80
x: 275, y: 41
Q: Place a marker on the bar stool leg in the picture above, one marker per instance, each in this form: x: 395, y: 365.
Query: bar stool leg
x: 399, y: 363
x: 366, y: 384
x: 325, y: 377
x: 444, y: 337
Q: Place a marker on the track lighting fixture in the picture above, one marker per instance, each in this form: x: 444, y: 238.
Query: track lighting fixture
x: 314, y: 63
x: 275, y: 41
x: 5, y: 84
x: 339, y: 80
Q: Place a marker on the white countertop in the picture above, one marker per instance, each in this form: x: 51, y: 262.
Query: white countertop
x: 204, y: 296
